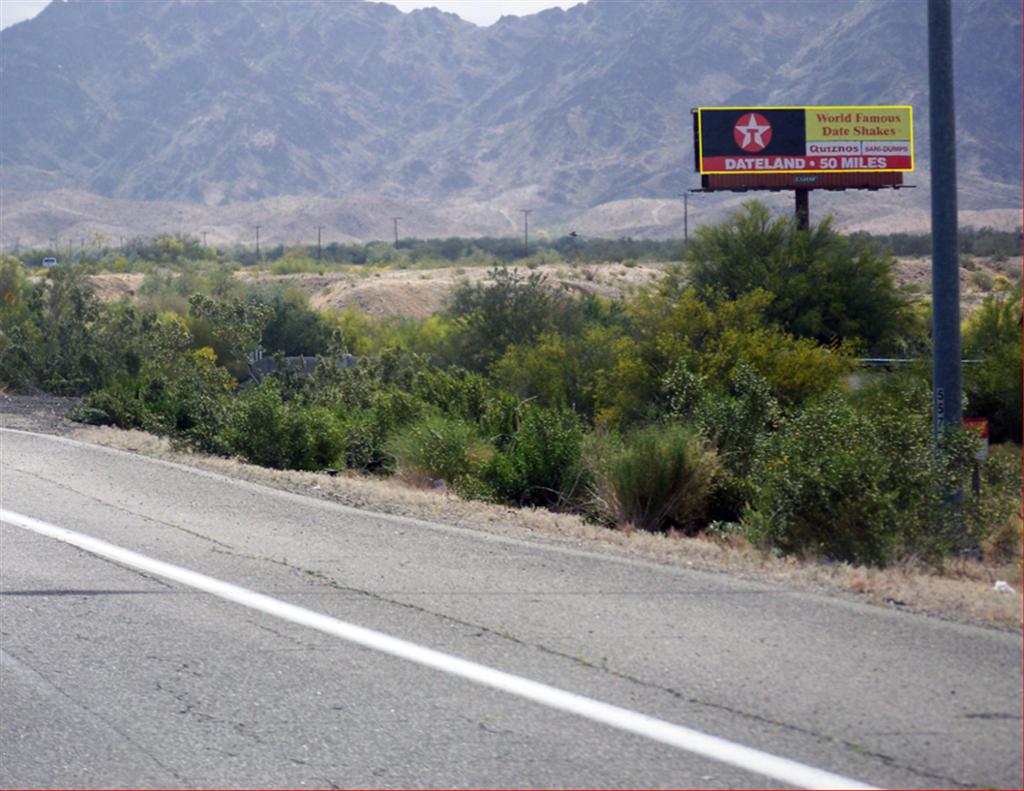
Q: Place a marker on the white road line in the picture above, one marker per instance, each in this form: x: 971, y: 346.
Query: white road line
x: 746, y: 758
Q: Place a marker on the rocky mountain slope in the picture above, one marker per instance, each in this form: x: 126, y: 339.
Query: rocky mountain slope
x: 225, y: 103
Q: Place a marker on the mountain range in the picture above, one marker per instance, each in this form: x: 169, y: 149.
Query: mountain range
x: 248, y: 108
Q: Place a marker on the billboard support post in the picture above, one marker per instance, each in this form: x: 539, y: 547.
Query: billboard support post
x: 803, y: 208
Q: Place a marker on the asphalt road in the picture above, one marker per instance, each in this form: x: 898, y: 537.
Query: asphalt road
x: 114, y: 677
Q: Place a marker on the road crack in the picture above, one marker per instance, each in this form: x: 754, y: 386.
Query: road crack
x: 888, y: 760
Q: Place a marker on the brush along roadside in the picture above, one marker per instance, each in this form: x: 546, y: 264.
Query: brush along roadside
x: 962, y: 589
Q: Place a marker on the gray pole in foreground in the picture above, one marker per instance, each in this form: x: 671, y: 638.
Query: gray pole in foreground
x: 946, y: 381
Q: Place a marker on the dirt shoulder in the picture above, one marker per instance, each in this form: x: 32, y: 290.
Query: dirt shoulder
x: 963, y: 591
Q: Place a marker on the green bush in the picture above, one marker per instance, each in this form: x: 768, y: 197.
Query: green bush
x: 264, y: 429
x: 541, y: 465
x: 993, y: 387
x: 824, y: 284
x: 440, y: 448
x: 655, y: 478
x: 863, y: 487
x: 996, y: 512
x: 118, y: 404
x: 734, y: 418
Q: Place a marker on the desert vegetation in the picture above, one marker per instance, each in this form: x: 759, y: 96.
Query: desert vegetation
x: 725, y: 399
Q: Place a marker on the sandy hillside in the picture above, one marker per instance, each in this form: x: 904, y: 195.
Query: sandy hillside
x: 419, y: 293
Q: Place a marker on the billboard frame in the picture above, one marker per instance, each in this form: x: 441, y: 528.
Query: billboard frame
x: 804, y: 180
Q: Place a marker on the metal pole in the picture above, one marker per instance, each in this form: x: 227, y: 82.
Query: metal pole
x: 803, y: 208
x: 526, y: 230
x: 318, y: 229
x: 686, y: 218
x: 257, y: 242
x: 946, y: 375
x: 396, y: 219
x: 204, y: 238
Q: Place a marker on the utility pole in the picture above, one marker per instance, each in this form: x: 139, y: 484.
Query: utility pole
x: 318, y: 229
x: 396, y: 219
x: 16, y: 246
x: 204, y: 238
x: 257, y: 243
x: 526, y: 230
x: 946, y: 374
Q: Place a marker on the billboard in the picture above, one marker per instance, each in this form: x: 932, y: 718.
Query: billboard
x: 747, y: 141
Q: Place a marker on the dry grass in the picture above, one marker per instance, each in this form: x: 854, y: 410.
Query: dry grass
x: 963, y: 590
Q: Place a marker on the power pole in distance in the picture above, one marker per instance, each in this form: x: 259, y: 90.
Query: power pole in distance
x: 318, y: 229
x: 526, y: 230
x: 396, y: 219
x: 257, y: 243
x: 204, y: 238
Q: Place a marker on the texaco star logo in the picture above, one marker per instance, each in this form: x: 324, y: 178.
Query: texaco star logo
x: 752, y: 132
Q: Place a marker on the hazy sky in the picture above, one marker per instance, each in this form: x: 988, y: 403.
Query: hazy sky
x: 480, y: 12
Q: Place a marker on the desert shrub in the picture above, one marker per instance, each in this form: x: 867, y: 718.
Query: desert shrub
x: 541, y: 465
x: 506, y: 309
x: 858, y: 486
x: 733, y: 417
x: 546, y: 370
x: 712, y: 335
x: 996, y: 513
x: 293, y: 327
x: 656, y: 478
x: 438, y: 447
x: 993, y: 387
x: 254, y: 425
x: 455, y: 391
x: 185, y: 395
x: 823, y: 284
x: 117, y: 404
x: 367, y: 428
x: 195, y: 400
x: 264, y: 429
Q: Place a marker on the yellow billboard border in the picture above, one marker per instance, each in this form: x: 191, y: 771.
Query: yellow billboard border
x: 700, y: 138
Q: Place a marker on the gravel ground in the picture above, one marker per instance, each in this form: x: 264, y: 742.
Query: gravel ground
x: 42, y: 413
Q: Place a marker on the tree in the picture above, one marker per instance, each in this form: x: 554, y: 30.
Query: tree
x: 508, y: 309
x: 237, y: 324
x: 824, y: 285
